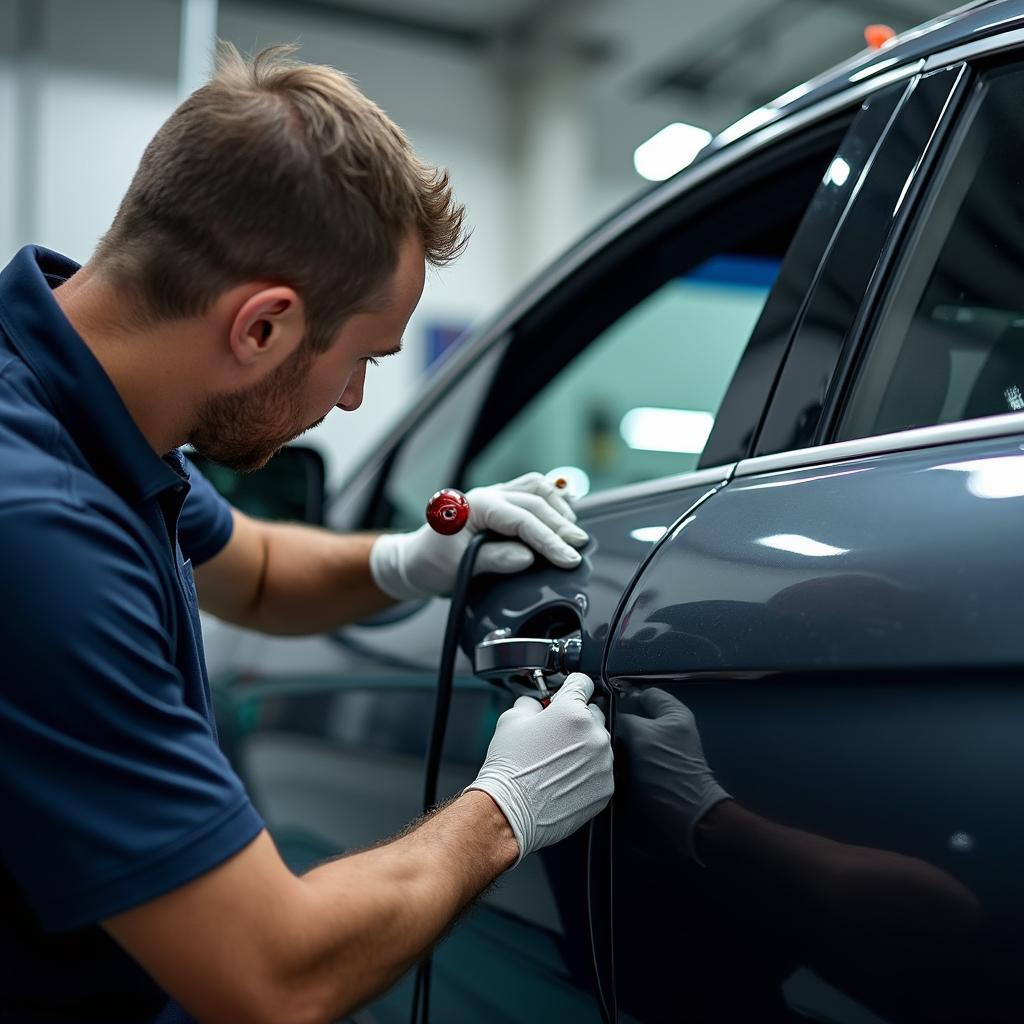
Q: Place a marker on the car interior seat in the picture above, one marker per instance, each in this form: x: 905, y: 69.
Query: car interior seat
x: 920, y: 379
x: 999, y: 387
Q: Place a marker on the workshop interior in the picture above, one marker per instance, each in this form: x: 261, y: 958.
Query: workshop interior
x: 718, y: 406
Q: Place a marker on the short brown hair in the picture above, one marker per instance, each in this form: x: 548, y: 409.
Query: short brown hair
x: 283, y: 171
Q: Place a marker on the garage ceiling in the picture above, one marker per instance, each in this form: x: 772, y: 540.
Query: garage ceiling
x: 652, y: 61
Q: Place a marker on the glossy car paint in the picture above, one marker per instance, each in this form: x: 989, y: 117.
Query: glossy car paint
x: 848, y: 639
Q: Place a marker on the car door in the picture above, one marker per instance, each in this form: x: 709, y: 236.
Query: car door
x: 664, y: 313
x: 842, y: 619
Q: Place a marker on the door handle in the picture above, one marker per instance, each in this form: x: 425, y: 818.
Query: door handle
x: 531, y: 660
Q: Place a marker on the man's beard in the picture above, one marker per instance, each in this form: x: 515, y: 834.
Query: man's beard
x: 245, y: 429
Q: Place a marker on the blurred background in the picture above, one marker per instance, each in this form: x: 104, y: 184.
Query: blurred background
x: 537, y: 107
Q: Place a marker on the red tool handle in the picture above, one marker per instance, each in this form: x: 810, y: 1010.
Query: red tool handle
x: 448, y: 511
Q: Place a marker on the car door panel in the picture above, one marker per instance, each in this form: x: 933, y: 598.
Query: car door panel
x: 779, y: 559
x: 842, y: 665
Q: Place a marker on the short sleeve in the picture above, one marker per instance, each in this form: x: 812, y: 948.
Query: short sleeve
x: 114, y: 791
x: 205, y: 523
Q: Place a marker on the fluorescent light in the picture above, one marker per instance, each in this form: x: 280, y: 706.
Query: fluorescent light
x: 648, y: 534
x: 801, y: 545
x: 576, y: 478
x: 838, y: 172
x: 676, y: 146
x: 666, y: 430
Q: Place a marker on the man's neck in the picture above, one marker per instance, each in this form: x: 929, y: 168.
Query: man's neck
x: 146, y: 366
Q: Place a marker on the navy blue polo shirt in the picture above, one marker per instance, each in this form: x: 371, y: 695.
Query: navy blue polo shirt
x: 113, y: 789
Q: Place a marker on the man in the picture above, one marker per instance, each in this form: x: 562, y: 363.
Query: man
x: 271, y: 246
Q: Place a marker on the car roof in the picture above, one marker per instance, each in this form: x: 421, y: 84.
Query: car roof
x: 967, y: 23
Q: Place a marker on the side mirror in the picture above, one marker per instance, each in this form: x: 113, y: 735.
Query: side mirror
x: 290, y: 486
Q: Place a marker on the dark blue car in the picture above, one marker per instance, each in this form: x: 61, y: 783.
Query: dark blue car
x: 791, y: 379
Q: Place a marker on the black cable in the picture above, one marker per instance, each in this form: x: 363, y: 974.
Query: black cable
x: 435, y: 747
x: 606, y: 1017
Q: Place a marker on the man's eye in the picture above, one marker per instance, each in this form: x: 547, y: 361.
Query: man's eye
x: 372, y: 361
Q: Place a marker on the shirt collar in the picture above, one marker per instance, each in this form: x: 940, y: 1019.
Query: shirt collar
x: 81, y: 394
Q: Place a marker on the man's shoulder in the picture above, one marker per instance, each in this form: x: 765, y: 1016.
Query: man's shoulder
x: 52, y: 511
x: 71, y: 572
x: 42, y: 466
x: 34, y: 455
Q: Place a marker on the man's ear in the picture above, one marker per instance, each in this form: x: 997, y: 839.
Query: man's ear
x: 267, y: 327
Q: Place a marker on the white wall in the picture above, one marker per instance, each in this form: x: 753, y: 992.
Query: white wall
x: 107, y: 80
x: 106, y: 75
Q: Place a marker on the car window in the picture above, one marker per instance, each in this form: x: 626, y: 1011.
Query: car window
x: 426, y: 460
x: 640, y: 400
x: 950, y: 341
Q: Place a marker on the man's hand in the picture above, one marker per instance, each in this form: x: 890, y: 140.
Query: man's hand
x: 550, y: 769
x: 531, y: 509
x: 669, y: 780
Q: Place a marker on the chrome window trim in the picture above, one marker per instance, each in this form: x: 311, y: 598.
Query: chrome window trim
x: 980, y: 47
x: 884, y: 444
x: 659, y: 485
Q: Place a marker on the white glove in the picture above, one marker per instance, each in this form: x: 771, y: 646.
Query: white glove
x: 549, y: 769
x: 407, y: 566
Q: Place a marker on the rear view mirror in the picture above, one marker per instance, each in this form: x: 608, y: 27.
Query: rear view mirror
x: 290, y: 486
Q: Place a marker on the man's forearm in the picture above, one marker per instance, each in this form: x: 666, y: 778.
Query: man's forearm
x: 374, y: 914
x: 314, y: 581
x: 263, y: 945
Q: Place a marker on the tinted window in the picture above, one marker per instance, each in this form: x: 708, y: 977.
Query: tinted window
x: 640, y: 400
x: 950, y: 344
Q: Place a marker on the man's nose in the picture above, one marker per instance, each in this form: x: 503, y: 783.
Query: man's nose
x: 352, y: 396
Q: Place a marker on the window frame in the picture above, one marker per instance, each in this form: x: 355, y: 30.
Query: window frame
x: 906, y: 249
x: 980, y: 55
x: 856, y: 269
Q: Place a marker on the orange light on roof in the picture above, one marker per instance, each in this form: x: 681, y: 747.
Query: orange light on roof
x: 876, y: 36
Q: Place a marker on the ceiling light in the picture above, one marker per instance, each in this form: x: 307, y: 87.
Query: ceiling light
x: 648, y: 534
x: 801, y: 545
x: 670, y: 150
x: 838, y: 172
